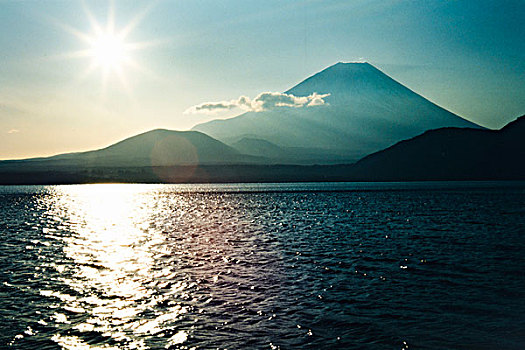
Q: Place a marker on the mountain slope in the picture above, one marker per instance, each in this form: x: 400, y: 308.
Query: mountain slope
x: 274, y: 154
x: 153, y: 148
x: 258, y: 147
x: 450, y: 154
x: 365, y: 112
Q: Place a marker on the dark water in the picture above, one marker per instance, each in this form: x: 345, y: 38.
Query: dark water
x: 349, y: 266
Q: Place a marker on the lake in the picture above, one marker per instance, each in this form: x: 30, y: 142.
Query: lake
x: 436, y: 265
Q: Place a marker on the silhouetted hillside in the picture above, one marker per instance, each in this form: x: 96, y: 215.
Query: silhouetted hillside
x: 450, y: 154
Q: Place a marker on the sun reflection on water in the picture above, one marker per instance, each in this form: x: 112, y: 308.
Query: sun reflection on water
x: 209, y: 266
x: 115, y: 278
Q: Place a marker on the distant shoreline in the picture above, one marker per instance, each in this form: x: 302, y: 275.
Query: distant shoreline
x: 216, y: 174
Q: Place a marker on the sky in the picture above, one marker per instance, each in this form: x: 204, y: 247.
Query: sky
x: 67, y: 86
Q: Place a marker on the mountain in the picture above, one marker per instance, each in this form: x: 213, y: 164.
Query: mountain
x: 450, y: 154
x: 154, y: 156
x: 366, y: 111
x: 273, y: 154
x: 259, y: 147
x: 158, y: 147
x: 192, y: 157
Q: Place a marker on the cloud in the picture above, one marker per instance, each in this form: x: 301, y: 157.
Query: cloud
x: 13, y: 131
x: 263, y: 102
x: 214, y: 106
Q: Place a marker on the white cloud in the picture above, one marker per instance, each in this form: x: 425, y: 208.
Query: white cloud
x: 13, y: 131
x: 213, y: 106
x: 263, y: 102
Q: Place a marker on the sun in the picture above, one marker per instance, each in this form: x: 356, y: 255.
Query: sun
x: 109, y: 49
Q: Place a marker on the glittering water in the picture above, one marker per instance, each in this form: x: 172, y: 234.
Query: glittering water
x: 351, y: 266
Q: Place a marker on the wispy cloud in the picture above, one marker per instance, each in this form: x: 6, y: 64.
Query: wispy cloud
x: 13, y: 131
x: 263, y: 102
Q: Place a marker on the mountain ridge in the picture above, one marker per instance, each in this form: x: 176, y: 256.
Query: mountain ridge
x: 451, y: 154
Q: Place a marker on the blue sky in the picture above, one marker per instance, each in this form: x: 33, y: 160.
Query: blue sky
x: 466, y: 56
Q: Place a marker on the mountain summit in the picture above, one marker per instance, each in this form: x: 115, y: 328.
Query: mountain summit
x: 366, y: 111
x: 347, y: 79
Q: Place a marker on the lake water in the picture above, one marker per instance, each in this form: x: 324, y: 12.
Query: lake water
x: 263, y: 266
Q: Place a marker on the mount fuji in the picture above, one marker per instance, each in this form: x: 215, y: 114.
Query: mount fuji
x: 366, y: 111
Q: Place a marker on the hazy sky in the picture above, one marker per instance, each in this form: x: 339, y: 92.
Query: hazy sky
x: 466, y: 56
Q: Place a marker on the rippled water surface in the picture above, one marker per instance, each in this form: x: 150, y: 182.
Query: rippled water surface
x: 316, y: 266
